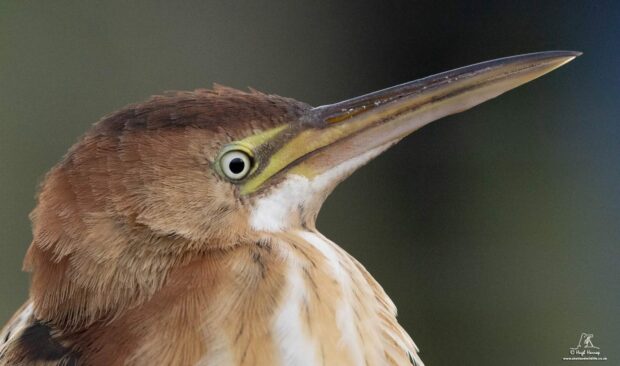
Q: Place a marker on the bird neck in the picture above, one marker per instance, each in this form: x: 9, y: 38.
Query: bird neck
x: 289, y: 297
x: 297, y: 298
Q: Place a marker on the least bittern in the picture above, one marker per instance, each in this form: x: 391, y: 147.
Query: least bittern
x: 181, y: 231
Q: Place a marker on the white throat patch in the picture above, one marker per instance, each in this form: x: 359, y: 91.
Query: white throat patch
x: 274, y: 211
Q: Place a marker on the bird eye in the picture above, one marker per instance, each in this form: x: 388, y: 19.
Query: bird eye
x: 235, y: 164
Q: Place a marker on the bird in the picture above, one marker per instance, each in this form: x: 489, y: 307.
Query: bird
x: 181, y: 230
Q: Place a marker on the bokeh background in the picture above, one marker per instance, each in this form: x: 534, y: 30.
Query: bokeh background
x: 495, y: 231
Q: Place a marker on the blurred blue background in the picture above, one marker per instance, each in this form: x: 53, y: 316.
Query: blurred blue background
x: 496, y: 231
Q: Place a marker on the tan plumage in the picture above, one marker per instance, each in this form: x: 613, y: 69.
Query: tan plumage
x: 145, y: 251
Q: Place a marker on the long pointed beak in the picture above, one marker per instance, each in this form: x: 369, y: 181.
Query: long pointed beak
x: 332, y: 134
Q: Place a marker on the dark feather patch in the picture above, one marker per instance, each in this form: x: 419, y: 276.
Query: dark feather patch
x: 37, y: 344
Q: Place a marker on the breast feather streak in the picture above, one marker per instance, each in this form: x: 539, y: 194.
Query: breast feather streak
x: 296, y: 347
x: 345, y: 318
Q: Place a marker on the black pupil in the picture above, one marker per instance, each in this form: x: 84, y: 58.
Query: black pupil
x: 236, y: 165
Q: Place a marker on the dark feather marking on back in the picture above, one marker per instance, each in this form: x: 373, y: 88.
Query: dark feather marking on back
x: 37, y: 344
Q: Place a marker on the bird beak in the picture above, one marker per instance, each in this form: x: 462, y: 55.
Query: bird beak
x: 362, y: 127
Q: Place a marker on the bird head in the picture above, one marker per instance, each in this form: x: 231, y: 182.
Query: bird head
x: 155, y: 184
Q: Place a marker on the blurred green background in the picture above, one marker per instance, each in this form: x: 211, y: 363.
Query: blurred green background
x: 496, y: 231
